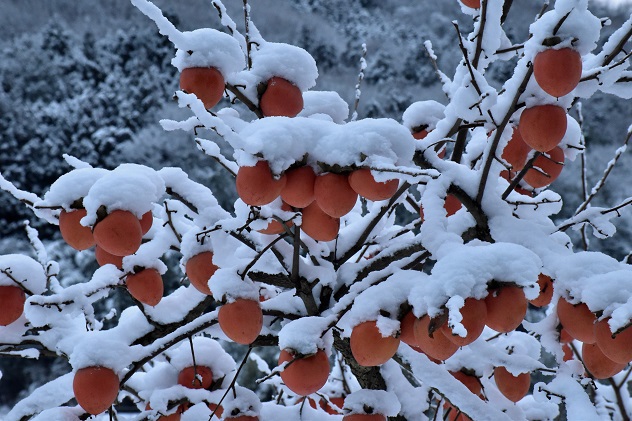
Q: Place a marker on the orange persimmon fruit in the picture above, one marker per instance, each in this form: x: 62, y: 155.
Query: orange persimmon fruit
x: 617, y: 347
x: 146, y: 286
x: 305, y: 375
x: 512, y: 387
x: 363, y: 183
x: 369, y: 347
x: 577, y: 320
x: 103, y: 258
x: 550, y: 168
x: 274, y: 226
x: 597, y: 363
x: 199, y: 270
x: 334, y: 195
x: 12, y: 299
x: 119, y: 233
x: 506, y: 308
x: 318, y: 225
x: 557, y: 72
x: 437, y: 346
x: 241, y: 320
x: 542, y: 127
x: 474, y: 314
x: 281, y: 98
x: 146, y: 222
x: 207, y: 83
x: 95, y: 388
x: 256, y: 185
x: 198, y: 377
x: 299, y: 187
x: 546, y: 291
x: 76, y: 235
x: 516, y: 151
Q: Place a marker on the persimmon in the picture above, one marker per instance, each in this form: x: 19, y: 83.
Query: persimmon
x: 74, y: 234
x: 299, y: 187
x: 420, y: 134
x: 568, y: 352
x: 407, y: 329
x: 557, y: 71
x: 472, y: 4
x: 565, y: 338
x: 546, y: 291
x: 551, y: 167
x: 219, y: 410
x: 471, y: 382
x: 105, y: 258
x: 199, y: 270
x: 506, y: 308
x: 337, y: 402
x: 281, y: 98
x: 119, y: 233
x: 436, y: 346
x: 542, y: 127
x: 474, y: 314
x: 364, y: 417
x: 363, y: 183
x: 146, y: 286
x: 207, y: 83
x: 617, y: 347
x: 146, y: 222
x: 578, y: 320
x: 275, y: 227
x: 304, y: 375
x: 512, y: 387
x: 176, y: 416
x: 369, y: 347
x: 451, y: 206
x: 256, y: 185
x: 334, y: 195
x: 196, y: 377
x: 318, y: 225
x: 12, y: 299
x: 597, y: 364
x: 516, y: 151
x: 241, y: 320
x: 95, y: 388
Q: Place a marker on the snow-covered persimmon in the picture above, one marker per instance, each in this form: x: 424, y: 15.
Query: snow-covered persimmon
x: 369, y: 347
x: 119, y: 233
x: 334, y: 195
x: 207, y: 83
x: 281, y: 98
x: 617, y: 347
x: 577, y: 320
x: 104, y: 258
x: 146, y: 286
x: 256, y: 185
x: 546, y: 169
x: 241, y: 320
x: 474, y: 314
x: 516, y: 151
x: 473, y: 383
x: 473, y: 4
x: 219, y: 410
x: 451, y: 205
x: 76, y: 235
x: 12, y: 300
x: 407, y: 329
x: 420, y: 134
x: 299, y: 187
x: 437, y: 346
x: 196, y: 377
x: 275, y: 227
x: 363, y: 183
x: 146, y: 221
x: 199, y: 270
x: 546, y: 291
x: 95, y: 388
x: 542, y: 127
x: 304, y: 375
x: 557, y: 71
x: 318, y: 225
x: 512, y: 387
x: 597, y: 364
x: 176, y: 416
x: 506, y: 308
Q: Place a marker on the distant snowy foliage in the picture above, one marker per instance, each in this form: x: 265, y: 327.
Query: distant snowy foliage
x: 413, y: 320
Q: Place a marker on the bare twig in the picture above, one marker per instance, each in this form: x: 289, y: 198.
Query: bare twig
x: 358, y: 92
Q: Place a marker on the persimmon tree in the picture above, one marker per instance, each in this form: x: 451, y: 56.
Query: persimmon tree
x: 391, y: 264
